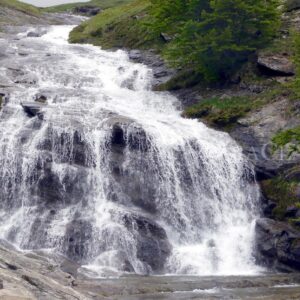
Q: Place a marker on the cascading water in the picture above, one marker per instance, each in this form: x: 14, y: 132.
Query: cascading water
x: 109, y: 174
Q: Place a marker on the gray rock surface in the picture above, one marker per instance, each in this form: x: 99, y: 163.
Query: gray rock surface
x: 292, y: 5
x: 255, y: 132
x: 278, y: 245
x: 161, y: 72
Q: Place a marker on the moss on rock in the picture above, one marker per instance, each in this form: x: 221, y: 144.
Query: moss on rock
x: 282, y: 192
x: 222, y: 112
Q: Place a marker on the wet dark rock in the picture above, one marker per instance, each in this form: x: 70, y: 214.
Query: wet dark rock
x: 135, y: 55
x: 292, y: 212
x: 268, y: 209
x: 50, y: 188
x: 80, y: 150
x: 33, y: 34
x: 153, y: 246
x: 276, y: 65
x: 277, y: 245
x: 33, y: 109
x: 126, y: 133
x: 72, y: 149
x: 41, y: 98
x: 132, y: 183
x: 77, y: 239
x: 87, y: 10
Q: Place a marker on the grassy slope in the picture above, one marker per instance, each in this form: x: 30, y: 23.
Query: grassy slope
x: 104, y: 4
x: 118, y: 27
x: 20, y: 6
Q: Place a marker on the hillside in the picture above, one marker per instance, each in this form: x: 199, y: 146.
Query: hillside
x: 118, y: 27
x: 20, y: 6
x: 103, y: 4
x: 17, y: 13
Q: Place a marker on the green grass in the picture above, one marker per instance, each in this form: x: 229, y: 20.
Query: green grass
x: 282, y: 192
x: 222, y: 112
x: 289, y: 137
x: 20, y: 6
x: 103, y: 4
x: 119, y: 27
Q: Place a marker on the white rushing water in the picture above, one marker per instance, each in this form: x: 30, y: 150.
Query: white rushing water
x: 200, y: 184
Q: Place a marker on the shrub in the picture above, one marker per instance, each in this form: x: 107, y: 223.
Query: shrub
x: 214, y: 37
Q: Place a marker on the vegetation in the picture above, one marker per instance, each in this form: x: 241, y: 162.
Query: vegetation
x: 120, y: 26
x: 282, y: 192
x: 215, y: 37
x: 220, y: 112
x: 103, y: 4
x: 20, y: 6
x: 290, y: 137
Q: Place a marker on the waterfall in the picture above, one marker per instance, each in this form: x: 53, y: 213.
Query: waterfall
x: 110, y: 175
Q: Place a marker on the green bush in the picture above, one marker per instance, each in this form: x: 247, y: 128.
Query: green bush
x: 289, y: 137
x: 214, y: 37
x: 120, y: 26
x: 222, y: 112
x: 280, y: 191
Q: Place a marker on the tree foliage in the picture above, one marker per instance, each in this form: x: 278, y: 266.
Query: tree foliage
x: 214, y: 37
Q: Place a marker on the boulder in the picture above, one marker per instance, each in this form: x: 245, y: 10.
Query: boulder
x: 126, y: 133
x: 40, y: 98
x: 275, y: 65
x: 277, y: 245
x: 135, y: 55
x: 33, y: 109
x: 87, y: 10
x: 131, y: 185
x: 153, y: 247
x: 33, y: 34
x: 37, y: 33
x: 166, y: 38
